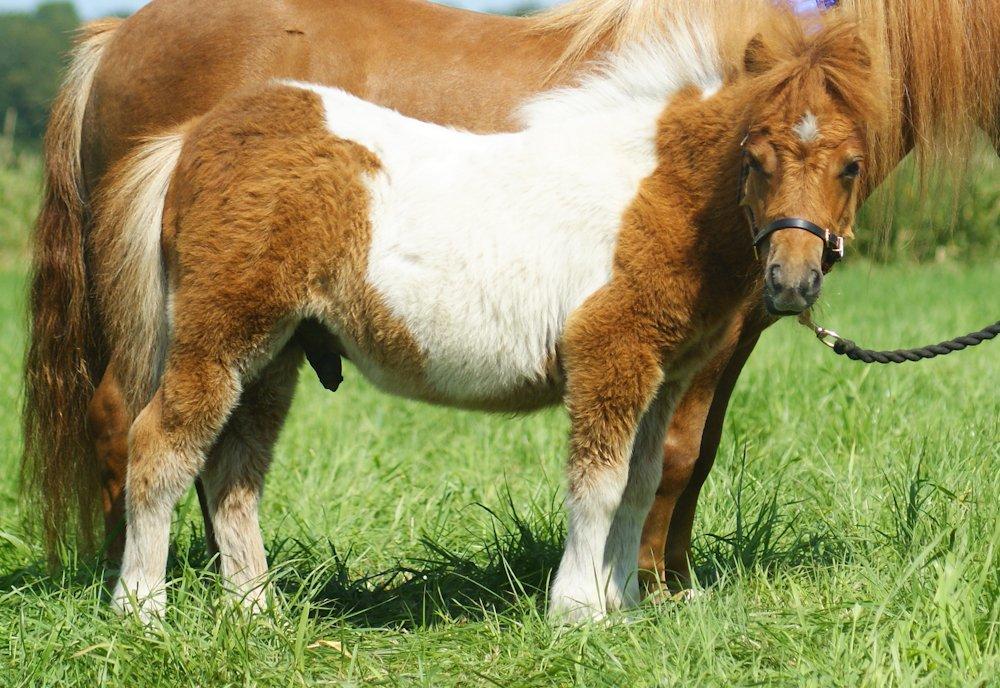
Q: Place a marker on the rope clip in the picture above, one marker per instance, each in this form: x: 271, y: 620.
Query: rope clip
x: 827, y: 337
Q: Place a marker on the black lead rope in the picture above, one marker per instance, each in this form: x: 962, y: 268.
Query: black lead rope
x: 845, y: 347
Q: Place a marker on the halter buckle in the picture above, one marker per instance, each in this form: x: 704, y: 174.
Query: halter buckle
x: 835, y: 246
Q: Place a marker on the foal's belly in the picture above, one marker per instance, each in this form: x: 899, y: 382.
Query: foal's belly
x: 485, y: 363
x: 471, y: 331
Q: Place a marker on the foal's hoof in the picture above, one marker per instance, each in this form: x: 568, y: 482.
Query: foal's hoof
x: 251, y: 603
x: 145, y: 605
x: 665, y: 595
x: 574, y: 615
x: 576, y: 607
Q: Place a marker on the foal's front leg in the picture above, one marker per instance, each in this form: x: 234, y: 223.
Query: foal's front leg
x: 612, y: 384
x: 645, y: 467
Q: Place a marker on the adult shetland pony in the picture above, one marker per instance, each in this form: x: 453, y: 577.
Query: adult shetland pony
x: 447, y: 66
x: 594, y: 257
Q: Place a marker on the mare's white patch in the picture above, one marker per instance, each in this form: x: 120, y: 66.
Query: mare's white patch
x: 650, y: 71
x: 484, y: 244
x: 808, y: 128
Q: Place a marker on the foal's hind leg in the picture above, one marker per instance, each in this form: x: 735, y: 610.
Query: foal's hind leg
x: 200, y: 387
x: 109, y: 421
x: 234, y: 475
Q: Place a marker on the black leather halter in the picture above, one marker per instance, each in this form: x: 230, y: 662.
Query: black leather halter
x: 833, y: 244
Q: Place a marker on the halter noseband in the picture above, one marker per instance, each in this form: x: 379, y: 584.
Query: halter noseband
x: 833, y: 244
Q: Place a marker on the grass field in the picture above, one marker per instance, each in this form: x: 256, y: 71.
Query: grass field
x: 848, y: 535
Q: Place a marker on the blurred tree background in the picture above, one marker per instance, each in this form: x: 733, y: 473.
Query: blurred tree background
x: 33, y: 48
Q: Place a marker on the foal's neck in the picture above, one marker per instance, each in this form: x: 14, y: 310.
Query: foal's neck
x: 699, y: 151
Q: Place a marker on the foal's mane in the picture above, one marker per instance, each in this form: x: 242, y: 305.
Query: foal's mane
x: 793, y: 58
x: 940, y: 57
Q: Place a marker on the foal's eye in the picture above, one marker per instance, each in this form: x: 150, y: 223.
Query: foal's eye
x: 755, y: 163
x: 851, y: 170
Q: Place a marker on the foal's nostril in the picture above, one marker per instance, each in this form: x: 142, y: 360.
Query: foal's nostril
x: 774, y: 276
x: 809, y: 289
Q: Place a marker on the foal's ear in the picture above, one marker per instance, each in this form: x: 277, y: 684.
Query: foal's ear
x: 758, y: 56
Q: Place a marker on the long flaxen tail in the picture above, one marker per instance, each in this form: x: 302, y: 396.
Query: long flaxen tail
x: 69, y: 340
x: 58, y: 471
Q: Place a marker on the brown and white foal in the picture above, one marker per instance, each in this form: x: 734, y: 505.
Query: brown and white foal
x: 594, y: 257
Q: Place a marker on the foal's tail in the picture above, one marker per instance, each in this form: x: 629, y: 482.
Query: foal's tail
x: 126, y: 253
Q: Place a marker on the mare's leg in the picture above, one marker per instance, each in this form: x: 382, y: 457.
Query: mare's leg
x: 687, y: 460
x: 234, y: 475
x: 679, y: 455
x: 109, y: 422
x: 678, y: 552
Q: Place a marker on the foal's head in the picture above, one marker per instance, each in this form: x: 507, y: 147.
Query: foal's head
x: 814, y: 107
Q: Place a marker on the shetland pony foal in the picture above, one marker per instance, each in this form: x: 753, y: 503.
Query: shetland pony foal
x: 595, y: 256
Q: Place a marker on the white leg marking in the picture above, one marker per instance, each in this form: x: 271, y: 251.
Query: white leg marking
x: 150, y: 498
x: 579, y: 591
x: 234, y: 484
x: 142, y: 585
x: 598, y: 571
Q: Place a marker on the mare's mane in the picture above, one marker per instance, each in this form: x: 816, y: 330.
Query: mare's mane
x: 648, y: 71
x: 940, y: 58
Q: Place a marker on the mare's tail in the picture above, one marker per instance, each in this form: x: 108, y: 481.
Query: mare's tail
x: 57, y: 469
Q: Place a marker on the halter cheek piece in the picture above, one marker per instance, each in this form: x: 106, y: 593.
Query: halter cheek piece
x: 833, y: 244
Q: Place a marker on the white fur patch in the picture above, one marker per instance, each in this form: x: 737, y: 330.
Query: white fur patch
x: 586, y: 585
x: 647, y: 72
x: 484, y: 244
x: 808, y: 128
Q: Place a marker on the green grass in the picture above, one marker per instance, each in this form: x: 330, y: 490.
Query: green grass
x: 846, y: 537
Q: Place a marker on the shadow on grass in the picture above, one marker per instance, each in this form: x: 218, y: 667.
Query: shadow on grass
x: 446, y: 584
x: 509, y: 570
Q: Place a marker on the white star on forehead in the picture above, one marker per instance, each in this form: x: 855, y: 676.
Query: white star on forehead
x: 808, y: 128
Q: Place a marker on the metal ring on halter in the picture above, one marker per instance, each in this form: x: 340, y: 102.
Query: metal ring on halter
x: 828, y: 337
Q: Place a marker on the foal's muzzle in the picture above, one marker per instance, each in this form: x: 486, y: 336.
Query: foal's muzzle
x: 790, y: 290
x: 791, y: 285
